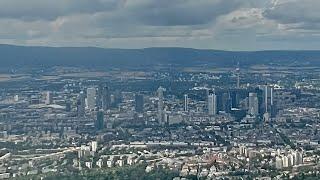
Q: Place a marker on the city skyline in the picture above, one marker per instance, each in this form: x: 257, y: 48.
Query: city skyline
x: 160, y: 89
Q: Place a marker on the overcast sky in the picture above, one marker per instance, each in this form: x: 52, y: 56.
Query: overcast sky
x: 205, y: 24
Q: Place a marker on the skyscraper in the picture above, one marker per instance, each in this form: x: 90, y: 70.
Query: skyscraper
x: 106, y: 98
x: 48, y: 98
x: 212, y: 104
x: 186, y: 103
x: 268, y: 98
x: 99, y: 124
x: 81, y: 104
x: 253, y: 104
x: 117, y: 98
x: 91, y: 98
x: 99, y: 96
x: 139, y: 103
x: 160, y: 105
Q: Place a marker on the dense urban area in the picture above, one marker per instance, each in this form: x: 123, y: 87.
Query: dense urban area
x: 259, y: 122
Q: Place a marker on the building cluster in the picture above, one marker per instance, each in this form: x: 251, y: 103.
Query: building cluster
x: 198, y: 124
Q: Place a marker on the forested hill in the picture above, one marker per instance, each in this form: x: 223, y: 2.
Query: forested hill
x: 17, y: 56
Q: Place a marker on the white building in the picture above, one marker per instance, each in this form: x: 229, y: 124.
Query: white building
x: 186, y: 103
x: 94, y: 146
x: 109, y: 163
x: 91, y: 98
x: 285, y: 162
x: 48, y: 99
x: 89, y: 165
x: 279, y: 164
x: 120, y: 162
x: 290, y: 160
x: 99, y: 163
x: 298, y: 157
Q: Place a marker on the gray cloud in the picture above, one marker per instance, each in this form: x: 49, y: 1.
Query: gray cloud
x: 219, y: 24
x: 181, y: 12
x: 43, y: 9
x: 303, y: 13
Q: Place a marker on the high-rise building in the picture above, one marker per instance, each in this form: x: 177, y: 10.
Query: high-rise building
x: 253, y: 104
x: 139, y: 103
x: 290, y: 160
x: 94, y: 146
x: 116, y: 98
x: 268, y: 98
x: 186, y: 103
x: 285, y: 162
x: 212, y: 104
x: 99, y: 96
x: 81, y: 105
x: 99, y: 124
x: 278, y: 163
x: 298, y: 157
x: 106, y: 98
x: 91, y: 98
x: 226, y: 102
x: 260, y: 95
x: 234, y: 99
x: 48, y: 98
x: 160, y: 105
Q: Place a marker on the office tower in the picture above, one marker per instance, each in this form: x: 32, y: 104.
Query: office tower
x: 234, y: 99
x: 268, y: 98
x: 237, y: 95
x: 139, y: 103
x: 226, y: 102
x: 160, y: 105
x: 106, y: 98
x: 186, y: 103
x: 266, y: 88
x: 220, y: 105
x: 99, y: 96
x: 215, y: 104
x: 212, y: 104
x: 117, y: 98
x: 48, y: 98
x: 99, y: 124
x: 260, y: 96
x: 253, y: 104
x: 81, y: 104
x: 91, y: 98
x: 228, y: 105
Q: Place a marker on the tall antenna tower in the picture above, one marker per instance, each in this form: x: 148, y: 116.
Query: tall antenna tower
x: 238, y: 75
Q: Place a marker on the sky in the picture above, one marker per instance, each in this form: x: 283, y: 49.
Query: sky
x: 202, y: 24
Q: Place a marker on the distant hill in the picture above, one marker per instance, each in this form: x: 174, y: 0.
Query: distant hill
x: 21, y: 56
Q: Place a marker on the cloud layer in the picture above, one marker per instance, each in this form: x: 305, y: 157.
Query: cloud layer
x: 217, y: 24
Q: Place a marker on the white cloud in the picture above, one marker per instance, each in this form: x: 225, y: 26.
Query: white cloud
x: 220, y: 24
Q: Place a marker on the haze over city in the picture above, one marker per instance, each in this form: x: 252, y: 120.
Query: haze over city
x: 160, y: 89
